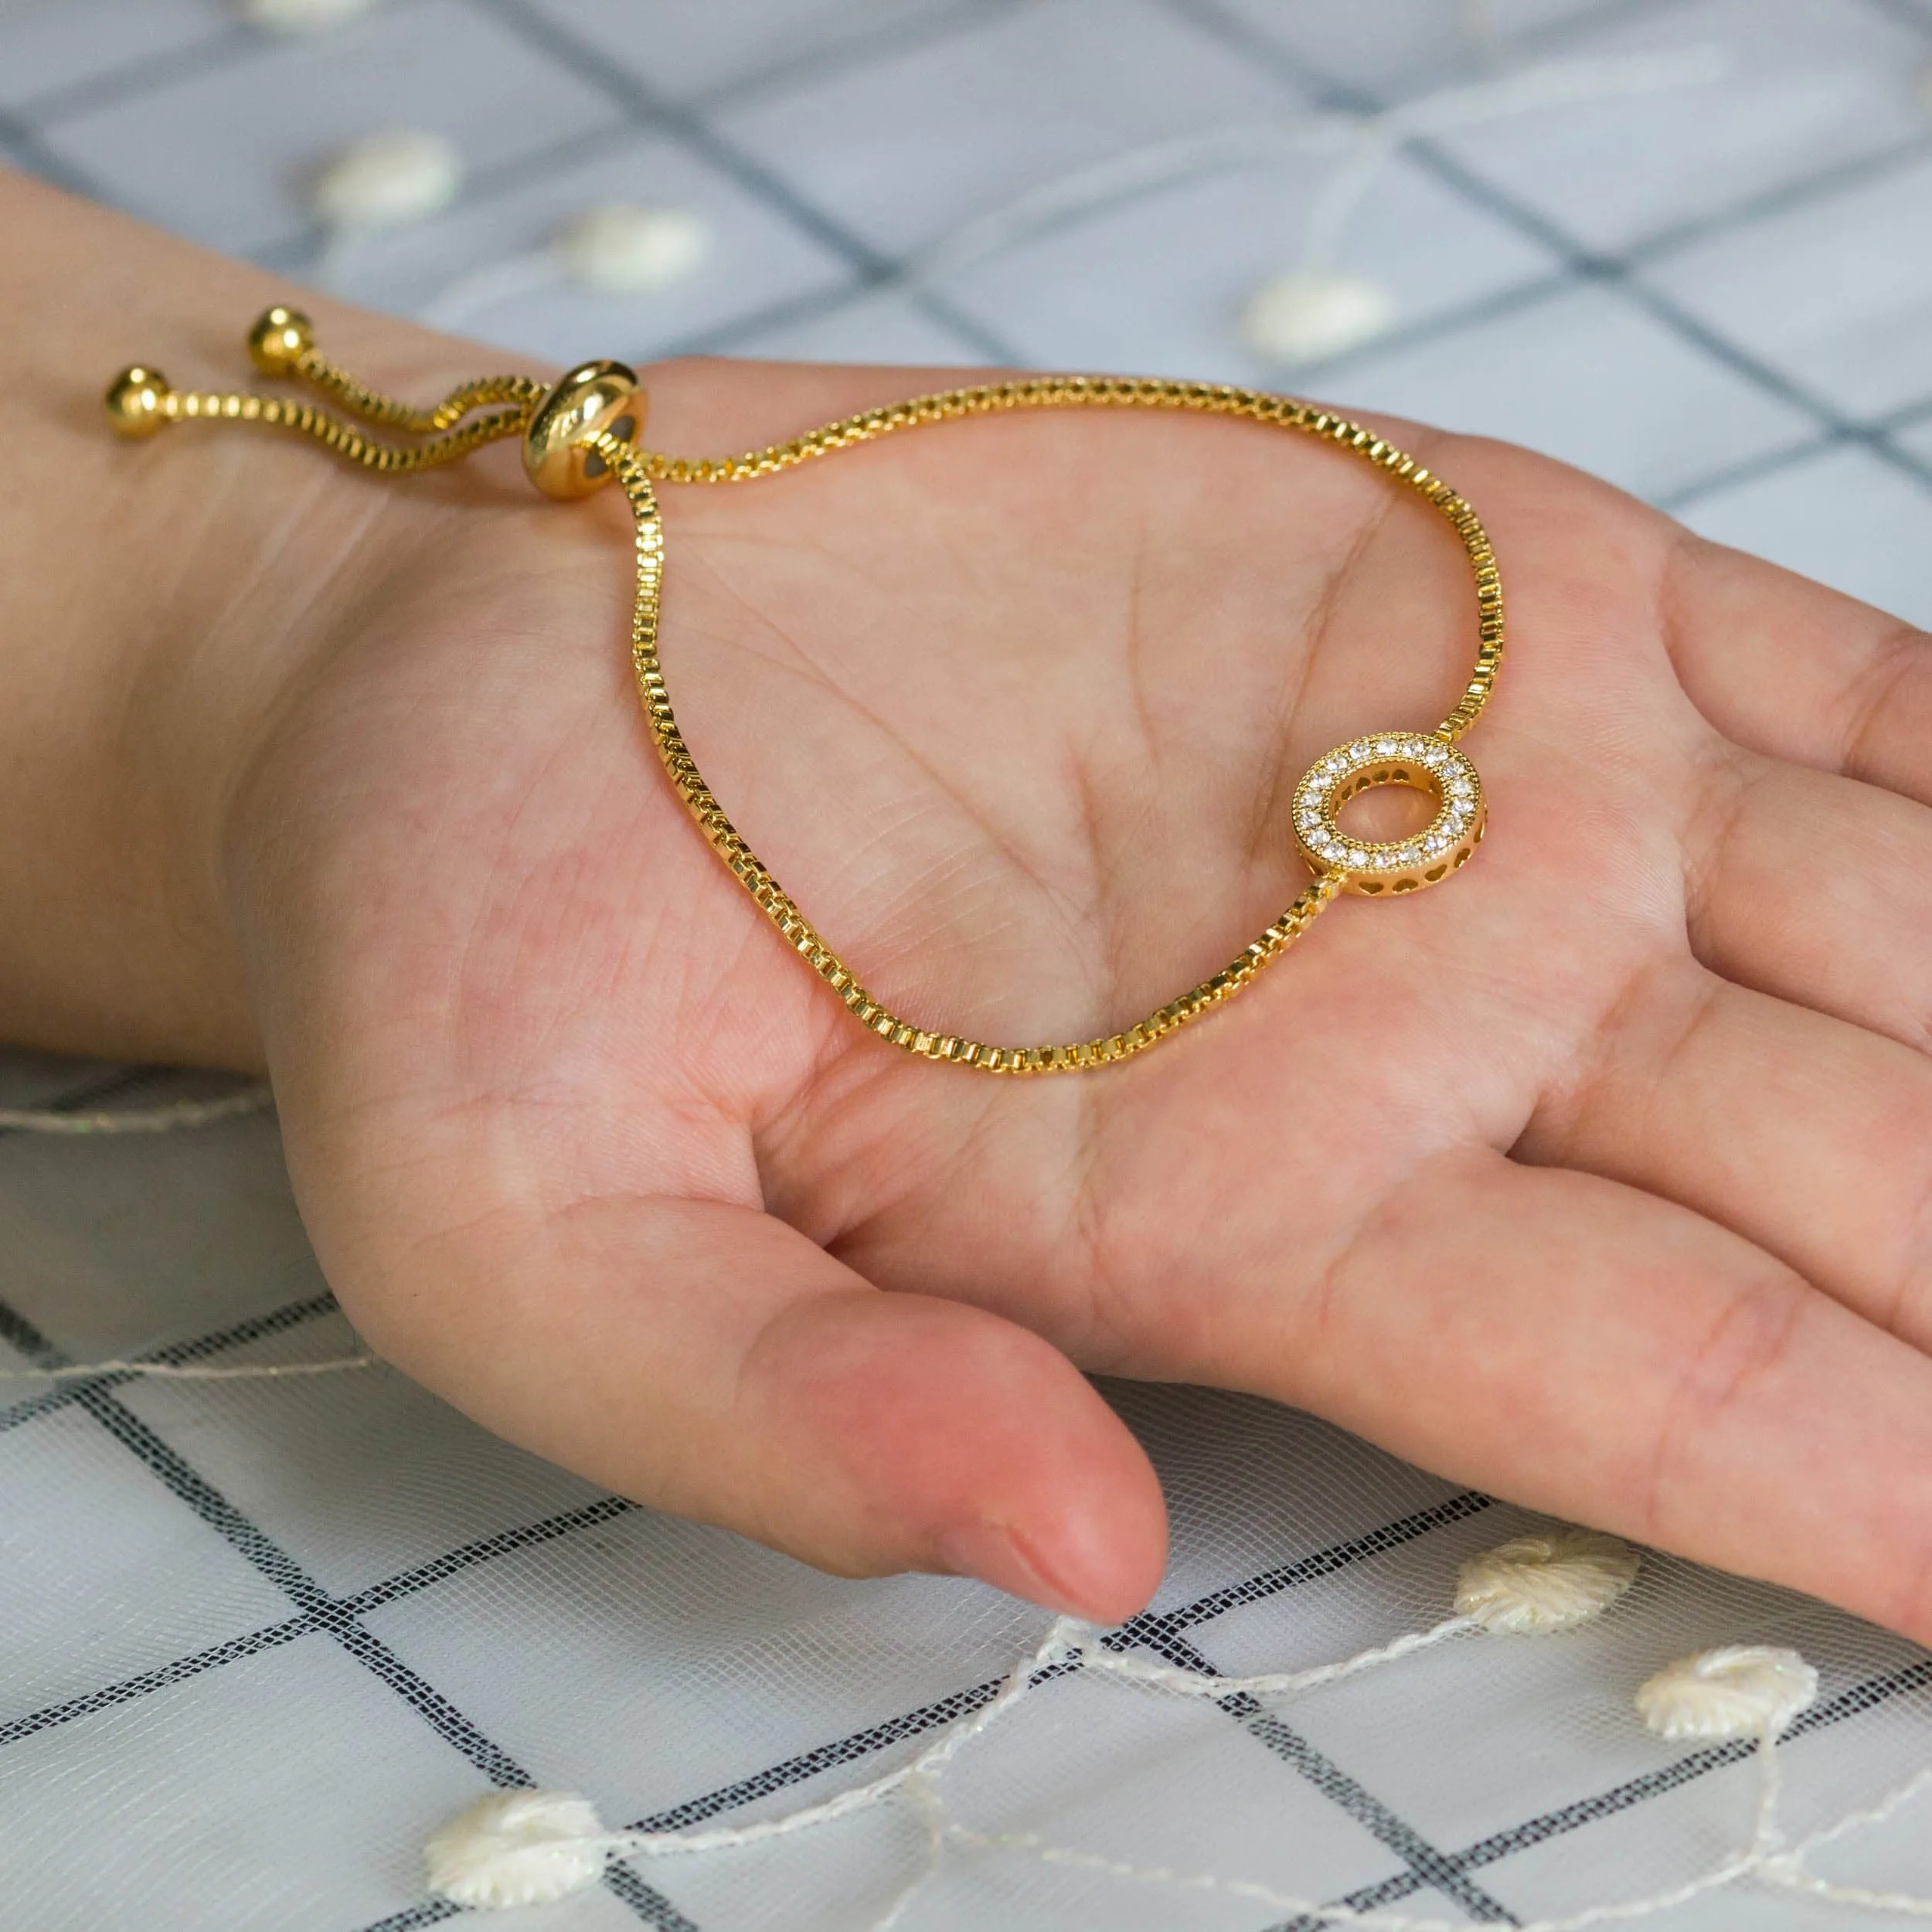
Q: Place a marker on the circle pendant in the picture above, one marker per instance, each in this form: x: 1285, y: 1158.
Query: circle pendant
x: 1424, y: 764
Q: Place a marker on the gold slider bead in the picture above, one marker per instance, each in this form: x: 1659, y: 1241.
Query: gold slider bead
x: 594, y: 400
x: 279, y: 340
x: 137, y: 401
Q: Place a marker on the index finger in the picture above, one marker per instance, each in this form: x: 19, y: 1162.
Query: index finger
x: 1585, y: 1348
x: 1783, y: 666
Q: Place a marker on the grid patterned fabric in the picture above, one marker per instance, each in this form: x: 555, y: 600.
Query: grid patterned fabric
x: 261, y: 1638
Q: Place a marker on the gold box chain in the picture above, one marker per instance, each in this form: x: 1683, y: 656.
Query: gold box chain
x: 582, y: 432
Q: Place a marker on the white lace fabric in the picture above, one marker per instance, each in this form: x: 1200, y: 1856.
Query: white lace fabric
x: 266, y: 1635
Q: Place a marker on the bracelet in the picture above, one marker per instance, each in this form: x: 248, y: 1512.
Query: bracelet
x: 583, y: 431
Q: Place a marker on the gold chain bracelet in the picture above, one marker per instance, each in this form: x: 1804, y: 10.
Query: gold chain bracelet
x: 582, y: 431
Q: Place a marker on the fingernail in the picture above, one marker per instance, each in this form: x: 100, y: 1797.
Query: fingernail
x: 993, y: 1554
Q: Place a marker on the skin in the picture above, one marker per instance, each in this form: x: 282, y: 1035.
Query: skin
x: 1597, y: 1178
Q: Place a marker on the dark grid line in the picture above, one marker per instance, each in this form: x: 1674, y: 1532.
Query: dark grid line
x: 1500, y: 304
x: 1790, y: 456
x: 861, y: 44
x: 298, y: 251
x: 1753, y: 469
x: 485, y: 1549
x: 1689, y: 328
x: 795, y: 1769
x: 301, y: 250
x: 1161, y: 1630
x: 1163, y: 1626
x: 50, y: 1716
x: 1149, y: 1628
x: 1853, y: 1701
x: 429, y: 1912
x: 1430, y: 1866
x: 20, y: 1335
x: 1589, y: 266
x: 792, y: 312
x: 619, y: 1879
x: 1496, y: 305
x: 390, y: 1589
x: 1910, y: 416
x: 1367, y: 1898
x: 21, y: 145
x: 1782, y: 198
x: 645, y: 108
x: 648, y: 1904
x: 328, y: 1616
x: 117, y: 86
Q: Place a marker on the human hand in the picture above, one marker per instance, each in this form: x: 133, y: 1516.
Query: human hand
x: 1596, y: 1179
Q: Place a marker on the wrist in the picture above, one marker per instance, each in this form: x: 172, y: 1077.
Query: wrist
x: 166, y: 601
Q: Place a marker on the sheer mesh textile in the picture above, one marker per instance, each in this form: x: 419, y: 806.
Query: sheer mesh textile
x: 264, y: 1636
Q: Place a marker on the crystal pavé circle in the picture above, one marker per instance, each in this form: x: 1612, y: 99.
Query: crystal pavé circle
x: 1424, y: 764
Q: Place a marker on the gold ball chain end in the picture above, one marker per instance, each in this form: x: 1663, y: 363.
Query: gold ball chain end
x: 137, y: 401
x: 279, y: 340
x: 594, y: 400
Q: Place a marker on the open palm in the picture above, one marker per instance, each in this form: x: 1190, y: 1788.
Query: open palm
x: 1597, y: 1178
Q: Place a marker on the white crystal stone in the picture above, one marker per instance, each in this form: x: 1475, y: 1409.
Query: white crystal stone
x: 1551, y: 1581
x: 1744, y: 1690
x: 517, y: 1848
x: 386, y: 180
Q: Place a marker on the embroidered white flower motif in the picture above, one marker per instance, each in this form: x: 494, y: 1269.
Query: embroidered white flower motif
x: 1744, y: 1690
x: 1551, y: 1581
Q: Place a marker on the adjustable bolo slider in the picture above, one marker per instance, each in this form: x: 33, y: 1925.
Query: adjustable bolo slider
x: 592, y: 400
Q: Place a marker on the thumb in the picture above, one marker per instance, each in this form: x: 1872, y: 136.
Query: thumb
x: 708, y: 1359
